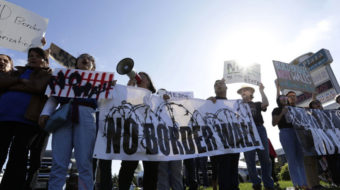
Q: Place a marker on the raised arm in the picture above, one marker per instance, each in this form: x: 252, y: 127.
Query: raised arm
x: 265, y: 102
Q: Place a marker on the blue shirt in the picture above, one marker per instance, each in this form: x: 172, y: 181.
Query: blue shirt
x: 13, y: 104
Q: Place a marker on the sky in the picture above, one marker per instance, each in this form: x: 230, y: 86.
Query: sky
x: 183, y: 44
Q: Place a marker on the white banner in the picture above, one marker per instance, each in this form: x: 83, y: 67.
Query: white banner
x: 135, y: 125
x: 235, y: 72
x: 20, y: 29
x: 318, y: 130
x: 76, y: 83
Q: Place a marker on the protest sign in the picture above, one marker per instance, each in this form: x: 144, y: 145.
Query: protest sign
x: 293, y: 77
x: 318, y: 131
x: 62, y: 56
x: 74, y: 83
x: 235, y: 72
x: 175, y: 95
x: 153, y: 129
x: 20, y: 29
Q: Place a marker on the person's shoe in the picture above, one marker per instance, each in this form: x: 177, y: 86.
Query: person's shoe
x: 257, y: 187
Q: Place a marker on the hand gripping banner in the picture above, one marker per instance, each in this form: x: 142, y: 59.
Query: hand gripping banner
x: 136, y: 125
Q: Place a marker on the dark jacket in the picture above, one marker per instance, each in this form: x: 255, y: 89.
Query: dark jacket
x: 35, y: 85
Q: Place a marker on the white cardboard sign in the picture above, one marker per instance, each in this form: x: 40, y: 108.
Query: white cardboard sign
x: 20, y: 29
x: 234, y: 72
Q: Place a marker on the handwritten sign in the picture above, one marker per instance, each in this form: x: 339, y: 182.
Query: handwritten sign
x: 76, y: 83
x: 156, y: 130
x: 20, y: 29
x: 318, y: 130
x: 176, y: 95
x: 62, y: 56
x: 293, y: 77
x: 235, y: 72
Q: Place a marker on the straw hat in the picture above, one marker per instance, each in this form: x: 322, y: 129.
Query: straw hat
x: 246, y: 88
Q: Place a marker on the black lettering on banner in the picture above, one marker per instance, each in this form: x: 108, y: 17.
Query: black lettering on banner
x: 163, y: 139
x: 82, y: 90
x: 252, y: 136
x: 74, y: 76
x: 97, y: 90
x: 57, y: 80
x: 209, y: 138
x: 174, y: 137
x: 228, y: 133
x: 187, y: 140
x: 244, y: 129
x: 130, y: 133
x: 223, y: 138
x: 238, y: 135
x: 198, y: 139
x: 150, y: 138
x: 114, y: 131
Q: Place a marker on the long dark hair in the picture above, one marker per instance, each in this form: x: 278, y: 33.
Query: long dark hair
x: 279, y: 102
x: 88, y: 56
x: 150, y: 87
x: 42, y: 53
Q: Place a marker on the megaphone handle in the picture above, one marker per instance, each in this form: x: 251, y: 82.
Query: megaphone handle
x: 138, y: 78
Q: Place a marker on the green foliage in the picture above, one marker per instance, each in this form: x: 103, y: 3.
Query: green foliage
x: 284, y: 173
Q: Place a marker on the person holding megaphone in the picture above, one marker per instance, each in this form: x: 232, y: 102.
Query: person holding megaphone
x: 127, y: 169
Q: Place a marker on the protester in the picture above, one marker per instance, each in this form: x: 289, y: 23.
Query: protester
x: 22, y: 100
x: 273, y: 155
x: 170, y: 173
x: 150, y: 167
x: 190, y: 174
x: 6, y: 63
x: 311, y: 161
x: 201, y: 166
x: 263, y: 155
x: 78, y: 132
x: 289, y: 141
x: 227, y: 170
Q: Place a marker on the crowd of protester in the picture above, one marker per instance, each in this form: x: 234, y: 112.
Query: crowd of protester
x: 25, y: 110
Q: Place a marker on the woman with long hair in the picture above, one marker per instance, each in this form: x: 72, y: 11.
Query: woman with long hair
x: 77, y: 133
x: 290, y: 143
x: 127, y: 168
x: 22, y: 99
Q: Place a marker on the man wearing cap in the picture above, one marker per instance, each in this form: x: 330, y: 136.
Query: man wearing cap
x: 246, y: 93
x: 226, y: 164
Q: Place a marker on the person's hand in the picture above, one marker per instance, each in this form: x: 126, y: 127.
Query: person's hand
x: 284, y: 110
x: 213, y: 99
x: 166, y: 97
x: 261, y: 87
x: 42, y: 120
x: 113, y: 83
x: 132, y: 82
x: 43, y: 41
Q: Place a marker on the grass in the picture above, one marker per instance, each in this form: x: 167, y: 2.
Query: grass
x: 283, y: 185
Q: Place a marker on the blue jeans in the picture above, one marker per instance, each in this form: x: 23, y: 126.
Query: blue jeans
x: 263, y: 155
x: 170, y: 174
x: 81, y: 137
x: 294, y: 155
